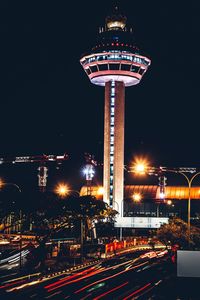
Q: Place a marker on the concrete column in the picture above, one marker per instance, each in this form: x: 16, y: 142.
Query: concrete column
x: 118, y: 189
x: 106, y: 162
x: 118, y: 166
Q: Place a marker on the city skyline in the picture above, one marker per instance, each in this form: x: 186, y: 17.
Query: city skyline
x: 56, y: 110
x: 99, y: 151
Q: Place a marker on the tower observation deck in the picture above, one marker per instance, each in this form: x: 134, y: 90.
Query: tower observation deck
x: 114, y: 62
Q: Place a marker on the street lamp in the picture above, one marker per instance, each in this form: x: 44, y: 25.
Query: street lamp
x: 63, y: 190
x: 169, y: 202
x: 189, y: 181
x: 2, y: 184
x: 141, y: 168
x: 137, y: 197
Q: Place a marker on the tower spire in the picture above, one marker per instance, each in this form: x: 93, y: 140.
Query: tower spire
x: 116, y: 21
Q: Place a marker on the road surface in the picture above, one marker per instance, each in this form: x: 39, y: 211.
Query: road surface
x: 124, y: 277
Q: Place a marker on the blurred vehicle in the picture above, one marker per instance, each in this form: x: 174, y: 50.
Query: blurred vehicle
x: 162, y: 253
x: 16, y: 238
x: 4, y: 241
x: 150, y: 254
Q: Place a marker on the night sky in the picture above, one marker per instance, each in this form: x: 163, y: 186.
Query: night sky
x: 49, y: 106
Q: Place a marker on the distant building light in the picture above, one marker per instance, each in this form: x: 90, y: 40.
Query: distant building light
x: 162, y: 195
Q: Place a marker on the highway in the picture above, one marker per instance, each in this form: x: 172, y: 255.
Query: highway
x: 124, y: 277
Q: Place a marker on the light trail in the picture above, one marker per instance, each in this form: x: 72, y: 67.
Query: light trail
x: 68, y: 278
x: 110, y: 291
x: 11, y: 284
x: 88, y: 275
x: 22, y: 277
x: 18, y: 280
x: 9, y: 262
x: 23, y: 285
x: 137, y: 291
x: 109, y: 277
x: 23, y: 253
x: 8, y: 275
x: 65, y: 281
x: 86, y: 296
x: 56, y: 293
x: 72, y: 281
x: 39, y: 280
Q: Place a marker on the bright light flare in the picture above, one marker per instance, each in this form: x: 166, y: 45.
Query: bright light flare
x: 89, y: 172
x: 1, y: 183
x: 62, y: 190
x: 100, y: 190
x: 137, y: 197
x: 140, y: 166
x: 162, y: 195
x: 169, y: 202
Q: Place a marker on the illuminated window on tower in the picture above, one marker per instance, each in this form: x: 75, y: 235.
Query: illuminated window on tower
x: 112, y: 123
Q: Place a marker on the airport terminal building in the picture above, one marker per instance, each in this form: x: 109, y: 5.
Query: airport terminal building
x: 151, y: 211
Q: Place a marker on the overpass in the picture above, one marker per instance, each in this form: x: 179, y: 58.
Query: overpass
x: 149, y: 192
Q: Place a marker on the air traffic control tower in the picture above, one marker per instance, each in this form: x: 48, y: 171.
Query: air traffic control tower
x: 115, y: 63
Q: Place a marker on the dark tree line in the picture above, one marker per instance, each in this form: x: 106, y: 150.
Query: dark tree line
x: 48, y: 214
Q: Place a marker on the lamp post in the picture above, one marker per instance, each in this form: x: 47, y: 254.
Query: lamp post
x: 2, y: 184
x: 122, y: 212
x: 189, y: 181
x: 63, y: 190
x: 141, y: 167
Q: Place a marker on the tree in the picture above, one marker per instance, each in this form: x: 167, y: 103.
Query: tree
x: 86, y: 209
x: 176, y: 233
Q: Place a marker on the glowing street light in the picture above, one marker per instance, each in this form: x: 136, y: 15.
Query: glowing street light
x: 2, y: 184
x: 162, y: 195
x: 62, y: 190
x: 137, y: 197
x: 169, y: 202
x: 140, y: 166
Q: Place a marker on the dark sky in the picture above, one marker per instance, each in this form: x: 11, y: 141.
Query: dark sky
x: 48, y: 104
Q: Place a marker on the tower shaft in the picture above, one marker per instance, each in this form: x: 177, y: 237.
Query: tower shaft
x: 114, y: 144
x: 114, y: 62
